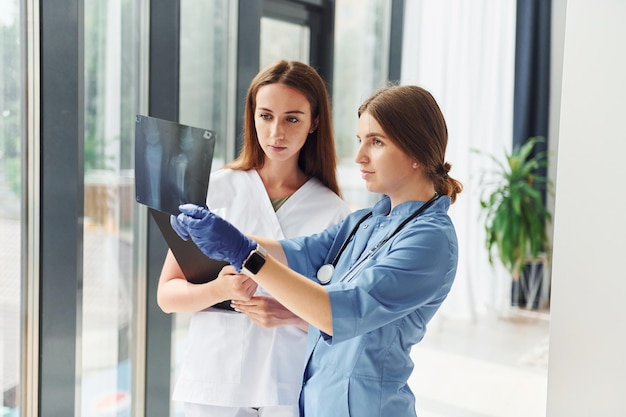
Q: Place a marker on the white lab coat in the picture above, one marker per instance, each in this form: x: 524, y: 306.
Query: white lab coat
x: 230, y: 361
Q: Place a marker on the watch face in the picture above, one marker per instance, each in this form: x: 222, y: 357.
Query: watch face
x: 254, y: 262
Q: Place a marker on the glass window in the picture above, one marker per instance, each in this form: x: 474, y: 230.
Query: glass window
x: 360, y: 67
x: 111, y: 91
x: 10, y: 205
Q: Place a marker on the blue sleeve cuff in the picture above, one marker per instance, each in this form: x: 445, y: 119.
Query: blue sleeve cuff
x: 343, y: 305
x: 296, y: 257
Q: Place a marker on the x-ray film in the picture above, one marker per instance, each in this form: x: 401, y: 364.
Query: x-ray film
x: 172, y: 163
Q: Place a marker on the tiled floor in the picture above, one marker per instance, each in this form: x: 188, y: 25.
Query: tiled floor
x: 495, y: 366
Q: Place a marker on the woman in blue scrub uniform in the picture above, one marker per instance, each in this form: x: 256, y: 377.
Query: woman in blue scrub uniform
x: 369, y: 285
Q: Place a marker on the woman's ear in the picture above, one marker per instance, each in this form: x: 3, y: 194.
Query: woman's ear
x: 314, y: 124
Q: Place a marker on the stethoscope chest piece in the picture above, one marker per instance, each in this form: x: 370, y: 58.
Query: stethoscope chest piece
x: 325, y: 273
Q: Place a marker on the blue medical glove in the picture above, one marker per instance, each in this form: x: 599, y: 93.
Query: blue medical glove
x: 214, y: 236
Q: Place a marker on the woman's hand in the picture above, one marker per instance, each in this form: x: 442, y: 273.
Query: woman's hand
x: 268, y: 312
x: 233, y: 286
x: 175, y: 294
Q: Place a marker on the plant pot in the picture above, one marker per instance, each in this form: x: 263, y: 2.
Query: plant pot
x: 526, y: 291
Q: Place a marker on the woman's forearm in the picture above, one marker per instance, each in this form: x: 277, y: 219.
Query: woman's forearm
x: 175, y: 294
x: 178, y: 295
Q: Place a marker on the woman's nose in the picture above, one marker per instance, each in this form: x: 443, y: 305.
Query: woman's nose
x: 276, y: 130
x: 360, y: 155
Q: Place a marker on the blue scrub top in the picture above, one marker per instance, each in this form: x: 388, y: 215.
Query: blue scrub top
x: 379, y: 313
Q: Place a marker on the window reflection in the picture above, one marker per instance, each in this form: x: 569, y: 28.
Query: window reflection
x: 108, y: 287
x: 10, y: 204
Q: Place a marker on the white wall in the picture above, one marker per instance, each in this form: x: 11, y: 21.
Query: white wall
x: 587, y: 367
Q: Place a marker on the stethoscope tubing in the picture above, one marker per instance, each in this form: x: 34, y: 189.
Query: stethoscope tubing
x: 325, y: 272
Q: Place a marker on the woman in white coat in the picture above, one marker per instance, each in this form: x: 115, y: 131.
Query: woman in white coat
x: 282, y: 185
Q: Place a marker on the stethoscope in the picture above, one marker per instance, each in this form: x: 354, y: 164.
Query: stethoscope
x: 326, y: 271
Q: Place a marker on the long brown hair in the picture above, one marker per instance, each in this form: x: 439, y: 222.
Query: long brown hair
x: 317, y: 157
x: 412, y: 118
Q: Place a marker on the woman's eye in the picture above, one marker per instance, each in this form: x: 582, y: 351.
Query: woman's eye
x: 265, y: 116
x: 377, y: 142
x: 292, y: 119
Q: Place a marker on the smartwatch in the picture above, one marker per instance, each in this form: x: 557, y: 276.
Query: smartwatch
x: 253, y: 263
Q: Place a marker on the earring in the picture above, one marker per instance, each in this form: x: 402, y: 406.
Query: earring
x: 414, y: 164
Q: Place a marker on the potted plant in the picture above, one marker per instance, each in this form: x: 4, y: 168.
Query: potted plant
x: 515, y: 214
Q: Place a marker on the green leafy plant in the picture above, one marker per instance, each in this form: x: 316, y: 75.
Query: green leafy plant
x: 514, y: 211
